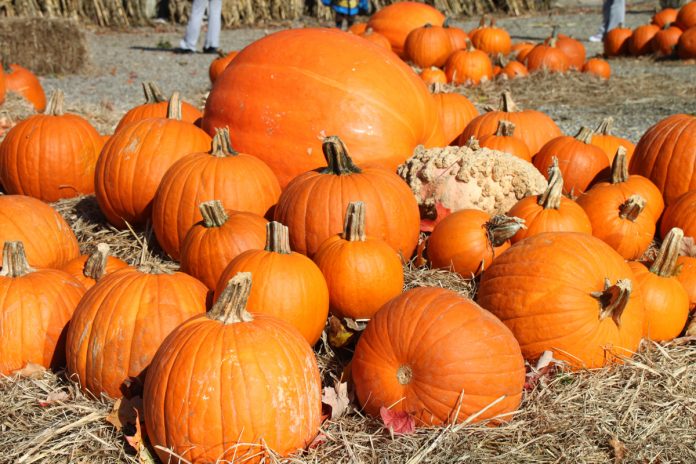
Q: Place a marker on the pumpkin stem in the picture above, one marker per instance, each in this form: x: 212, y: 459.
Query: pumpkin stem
x: 605, y: 127
x: 632, y: 207
x: 277, y: 238
x: 665, y: 264
x: 404, y: 374
x: 221, y: 54
x: 95, y: 266
x: 469, y: 45
x: 213, y: 212
x: 505, y: 128
x: 584, y: 135
x: 14, y: 260
x: 354, y: 226
x: 473, y: 143
x: 55, y: 103
x: 553, y: 41
x: 437, y: 87
x: 221, y: 146
x: 492, y: 22
x: 551, y: 198
x: 501, y: 228
x: 619, y: 167
x: 174, y: 107
x: 507, y: 105
x: 152, y: 93
x: 231, y: 305
x: 613, y: 300
x: 482, y: 23
x: 338, y: 162
x: 427, y: 26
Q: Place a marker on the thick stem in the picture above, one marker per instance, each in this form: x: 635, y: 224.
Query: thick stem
x: 221, y: 146
x: 584, y: 135
x: 619, y: 167
x: 14, y: 260
x: 553, y: 41
x: 482, y: 23
x: 613, y: 299
x: 505, y: 128
x: 221, y: 54
x: 665, y: 264
x: 338, y: 162
x: 404, y: 374
x: 605, y: 127
x: 632, y: 207
x: 551, y: 198
x: 469, y: 45
x: 354, y: 225
x: 492, y: 23
x: 213, y: 212
x: 501, y: 228
x: 277, y: 238
x: 95, y: 266
x: 554, y: 32
x: 152, y: 93
x: 506, y: 104
x: 174, y: 107
x: 231, y: 305
x: 427, y: 26
x: 55, y: 103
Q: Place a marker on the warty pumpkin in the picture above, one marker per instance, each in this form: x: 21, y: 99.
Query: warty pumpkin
x: 456, y: 111
x: 468, y: 66
x: 157, y: 106
x: 505, y: 140
x: 24, y: 82
x: 641, y: 39
x: 395, y: 21
x: 219, y: 64
x: 603, y: 138
x: 428, y: 46
x: 597, y: 67
x: 257, y: 366
x: 680, y: 213
x: 616, y: 41
x: 90, y: 268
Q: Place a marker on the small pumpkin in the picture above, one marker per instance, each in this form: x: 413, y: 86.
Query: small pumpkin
x: 492, y: 39
x: 468, y: 66
x: 397, y: 20
x: 514, y: 69
x: 686, y: 17
x: 358, y: 28
x: 680, y: 213
x: 88, y: 269
x: 219, y: 64
x: 428, y: 46
x: 433, y: 76
x: 24, y: 82
x: 686, y: 270
x: 664, y: 17
x: 641, y: 40
x: 573, y: 48
x: 603, y: 138
x: 376, y: 38
x: 665, y: 41
x: 457, y: 36
x: 504, y: 140
x: 686, y: 47
x: 157, y: 106
x: 616, y: 41
x: 520, y: 50
x: 597, y: 67
x: 547, y: 57
x: 456, y: 111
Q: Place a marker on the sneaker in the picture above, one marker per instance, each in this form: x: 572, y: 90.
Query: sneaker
x: 596, y: 38
x: 183, y: 51
x: 211, y: 50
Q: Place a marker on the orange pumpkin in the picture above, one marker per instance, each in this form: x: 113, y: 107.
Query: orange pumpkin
x: 433, y: 76
x: 441, y: 375
x: 376, y: 38
x: 547, y: 57
x: 598, y: 67
x: 504, y: 140
x: 88, y: 269
x: 127, y: 312
x: 287, y: 285
x: 24, y: 82
x: 358, y: 28
x: 492, y: 39
x: 428, y: 46
x: 666, y: 40
x: 457, y: 36
x: 680, y: 213
x: 686, y: 18
x: 456, y: 111
x: 514, y: 69
x: 233, y: 358
x: 392, y: 213
x: 603, y: 138
x: 3, y: 85
x: 50, y: 156
x: 641, y: 40
x: 136, y: 158
x: 573, y: 49
x: 520, y: 50
x: 687, y: 277
x: 395, y: 21
x: 616, y: 41
x: 35, y: 308
x: 469, y: 66
x: 219, y: 64
x: 686, y: 47
x: 665, y: 17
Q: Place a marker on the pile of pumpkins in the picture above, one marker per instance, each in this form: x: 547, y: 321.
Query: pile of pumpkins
x: 296, y: 194
x: 672, y: 33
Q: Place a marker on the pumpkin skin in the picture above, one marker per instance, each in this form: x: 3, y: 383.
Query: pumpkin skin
x: 686, y: 47
x: 434, y: 76
x: 666, y: 40
x: 353, y: 263
x: 376, y: 38
x: 395, y: 21
x: 428, y: 46
x: 603, y: 138
x: 392, y: 213
x: 492, y: 40
x: 504, y: 140
x: 24, y: 82
x: 681, y: 214
x: 156, y: 106
x: 534, y: 127
x: 134, y: 161
x: 50, y: 156
x: 616, y: 41
x: 550, y: 211
x: 433, y: 374
x: 641, y: 40
x: 358, y: 28
x: 554, y: 276
x: 667, y: 150
x: 515, y: 69
x: 687, y: 277
x: 665, y: 17
x: 547, y: 58
x: 456, y: 111
x: 467, y: 241
x: 48, y: 240
x: 573, y: 49
x: 287, y: 285
x: 457, y: 36
x: 382, y: 110
x: 36, y: 307
x: 598, y: 67
x: 242, y: 182
x: 128, y: 311
x: 238, y: 360
x: 88, y: 269
x: 219, y: 64
x: 220, y: 237
x: 686, y: 18
x: 521, y: 50
x: 469, y: 67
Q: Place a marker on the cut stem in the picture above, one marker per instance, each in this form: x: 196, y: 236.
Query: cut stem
x: 152, y: 93
x: 605, y: 127
x: 14, y: 260
x: 95, y: 266
x: 619, y: 167
x: 502, y: 228
x: 665, y: 264
x: 507, y: 105
x: 632, y: 207
x: 231, y: 305
x: 174, y: 107
x: 338, y: 162
x: 277, y: 238
x: 221, y: 145
x: 584, y: 135
x: 505, y: 128
x: 55, y: 103
x: 551, y: 198
x: 613, y: 300
x: 354, y: 226
x: 213, y: 212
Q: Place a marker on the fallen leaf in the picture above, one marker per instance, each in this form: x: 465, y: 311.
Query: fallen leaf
x: 31, y: 371
x: 545, y: 367
x: 339, y: 335
x: 137, y: 443
x: 336, y: 398
x: 125, y: 412
x: 619, y: 449
x: 319, y: 440
x: 356, y: 325
x: 55, y: 397
x: 397, y: 422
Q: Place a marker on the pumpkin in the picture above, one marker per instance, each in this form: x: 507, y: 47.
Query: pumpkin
x: 580, y: 162
x: 467, y: 241
x: 547, y: 57
x: 24, y: 82
x: 520, y: 50
x: 136, y: 158
x: 665, y: 17
x: 667, y: 151
x: 568, y: 293
x: 428, y: 46
x: 439, y: 357
x: 382, y: 110
x: 641, y: 40
x: 504, y: 140
x: 456, y: 111
x: 534, y: 127
x: 686, y: 47
x: 219, y: 64
x: 514, y: 69
x: 433, y: 76
x: 597, y: 67
x: 395, y: 21
x: 602, y: 137
x: 550, y: 211
x: 680, y: 213
x: 492, y: 39
x: 362, y: 273
x: 257, y: 366
x: 130, y: 311
x: 288, y: 285
x: 457, y: 36
x: 242, y: 182
x: 469, y: 66
x: 35, y: 308
x: 220, y: 237
x: 88, y: 269
x: 50, y: 156
x: 48, y: 240
x: 686, y: 266
x: 666, y: 300
x: 358, y: 28
x: 573, y: 48
x: 686, y: 18
x: 665, y: 40
x: 392, y: 215
x: 616, y: 41
x: 376, y: 38
x: 156, y: 106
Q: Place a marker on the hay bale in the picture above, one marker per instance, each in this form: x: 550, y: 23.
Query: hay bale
x: 44, y: 45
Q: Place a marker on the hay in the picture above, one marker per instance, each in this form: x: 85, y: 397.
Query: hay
x: 43, y: 45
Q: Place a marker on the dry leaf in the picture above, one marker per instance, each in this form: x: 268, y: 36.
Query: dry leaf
x: 138, y: 444
x: 125, y: 412
x: 421, y: 260
x: 55, y: 397
x: 336, y: 398
x: 397, y: 422
x: 619, y: 448
x: 319, y: 440
x: 31, y: 371
x: 339, y: 336
x: 356, y: 325
x: 545, y: 367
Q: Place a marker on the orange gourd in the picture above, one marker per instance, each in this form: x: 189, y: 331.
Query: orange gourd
x: 156, y: 106
x: 602, y: 137
x: 395, y: 21
x: 456, y: 111
x: 616, y: 41
x: 680, y: 213
x: 641, y: 40
x: 505, y: 140
x: 88, y: 269
x: 428, y: 46
x: 219, y: 64
x: 597, y: 67
x: 24, y: 82
x: 547, y: 57
x: 469, y: 66
x: 573, y: 49
x: 492, y: 39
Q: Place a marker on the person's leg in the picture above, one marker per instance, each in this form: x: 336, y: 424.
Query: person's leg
x: 616, y: 15
x: 350, y: 19
x: 339, y: 19
x: 193, y: 28
x: 212, y: 37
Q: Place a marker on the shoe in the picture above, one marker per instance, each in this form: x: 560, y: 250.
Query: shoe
x: 183, y: 51
x: 596, y: 38
x: 211, y: 50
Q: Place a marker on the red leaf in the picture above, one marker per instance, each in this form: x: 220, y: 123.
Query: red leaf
x: 319, y: 440
x: 398, y: 422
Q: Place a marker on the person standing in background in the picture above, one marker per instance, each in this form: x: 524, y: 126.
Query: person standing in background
x: 193, y: 28
x: 346, y: 10
x: 613, y: 14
